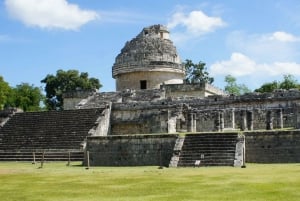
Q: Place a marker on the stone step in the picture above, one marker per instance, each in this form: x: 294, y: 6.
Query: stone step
x: 48, y: 156
x: 209, y: 149
x: 206, y: 154
x: 52, y: 131
x: 223, y: 162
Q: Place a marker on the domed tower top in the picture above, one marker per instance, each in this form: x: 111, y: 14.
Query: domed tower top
x: 147, y: 61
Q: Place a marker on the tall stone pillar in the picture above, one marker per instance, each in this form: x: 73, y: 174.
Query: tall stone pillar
x: 194, y: 122
x: 164, y: 118
x: 222, y: 121
x: 279, y: 118
x: 233, y: 118
x: 250, y: 120
x: 218, y: 121
x: 269, y: 120
x: 297, y: 116
x: 190, y: 122
x: 243, y: 120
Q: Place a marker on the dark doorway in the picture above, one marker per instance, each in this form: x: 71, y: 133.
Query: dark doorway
x: 143, y: 84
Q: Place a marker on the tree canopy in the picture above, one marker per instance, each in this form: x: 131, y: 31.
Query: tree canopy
x: 26, y: 96
x: 196, y: 73
x: 289, y: 82
x: 233, y: 88
x: 65, y: 81
x: 4, y: 92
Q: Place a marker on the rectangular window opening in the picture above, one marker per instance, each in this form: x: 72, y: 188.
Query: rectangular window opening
x: 143, y: 84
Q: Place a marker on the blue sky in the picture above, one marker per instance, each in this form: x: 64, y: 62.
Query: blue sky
x: 256, y: 41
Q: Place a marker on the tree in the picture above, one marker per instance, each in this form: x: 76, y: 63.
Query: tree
x: 289, y: 82
x: 4, y: 92
x: 196, y: 73
x: 26, y: 96
x: 233, y: 88
x: 65, y: 81
x: 268, y: 87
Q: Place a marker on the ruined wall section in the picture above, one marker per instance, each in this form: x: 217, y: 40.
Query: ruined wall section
x: 216, y: 113
x: 143, y: 117
x: 184, y: 90
x: 73, y: 99
x: 273, y: 147
x: 247, y: 112
x: 148, y: 111
x: 131, y: 150
x: 6, y: 114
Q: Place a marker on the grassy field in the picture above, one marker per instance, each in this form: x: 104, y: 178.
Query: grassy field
x: 58, y: 182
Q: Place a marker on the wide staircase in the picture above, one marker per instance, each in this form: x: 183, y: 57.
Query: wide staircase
x: 211, y: 149
x: 54, y: 135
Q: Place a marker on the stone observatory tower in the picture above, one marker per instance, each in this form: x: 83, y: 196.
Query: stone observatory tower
x: 148, y: 61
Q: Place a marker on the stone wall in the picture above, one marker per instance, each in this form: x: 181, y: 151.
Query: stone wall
x: 273, y: 147
x: 131, y: 120
x: 149, y: 111
x: 191, y: 90
x: 153, y: 79
x: 6, y: 114
x: 184, y: 90
x: 210, y: 114
x: 73, y: 98
x: 133, y: 150
x: 102, y: 124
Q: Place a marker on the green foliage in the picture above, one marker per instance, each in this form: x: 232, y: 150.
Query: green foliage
x: 4, y: 92
x: 26, y: 96
x: 196, y: 73
x: 56, y: 181
x: 233, y: 88
x: 289, y: 82
x: 268, y: 87
x: 65, y: 81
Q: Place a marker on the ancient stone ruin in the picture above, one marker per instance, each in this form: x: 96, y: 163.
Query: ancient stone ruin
x: 153, y: 118
x: 147, y: 61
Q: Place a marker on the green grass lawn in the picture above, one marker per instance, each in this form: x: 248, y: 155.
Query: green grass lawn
x: 58, y: 182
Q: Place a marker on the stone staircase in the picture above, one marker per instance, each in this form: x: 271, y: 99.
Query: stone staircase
x: 56, y: 133
x: 211, y: 149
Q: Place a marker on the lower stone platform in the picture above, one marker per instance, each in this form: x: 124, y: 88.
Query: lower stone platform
x: 131, y: 150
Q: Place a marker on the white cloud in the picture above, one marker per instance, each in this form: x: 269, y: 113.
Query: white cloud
x: 49, y: 13
x: 237, y: 65
x: 265, y: 47
x: 240, y: 65
x: 196, y: 22
x: 193, y: 24
x: 284, y: 37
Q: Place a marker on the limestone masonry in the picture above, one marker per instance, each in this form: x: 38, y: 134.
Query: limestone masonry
x: 147, y: 61
x: 154, y: 118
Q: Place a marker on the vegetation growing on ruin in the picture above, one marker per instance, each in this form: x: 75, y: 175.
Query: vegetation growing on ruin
x: 196, y: 72
x: 56, y: 181
x: 64, y: 81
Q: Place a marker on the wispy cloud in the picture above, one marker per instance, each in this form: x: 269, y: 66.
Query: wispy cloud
x: 278, y: 45
x: 193, y: 24
x: 50, y: 14
x: 241, y: 65
x: 284, y: 37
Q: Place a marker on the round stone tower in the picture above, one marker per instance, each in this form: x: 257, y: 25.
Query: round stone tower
x: 148, y: 61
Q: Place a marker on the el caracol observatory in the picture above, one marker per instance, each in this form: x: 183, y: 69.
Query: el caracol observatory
x: 148, y: 61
